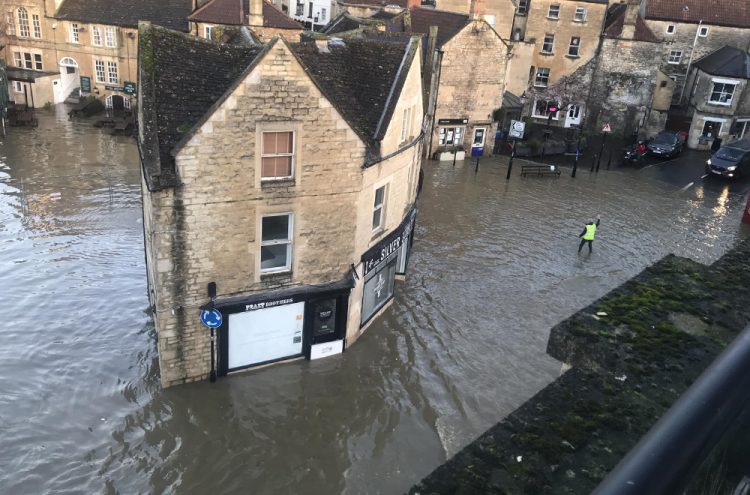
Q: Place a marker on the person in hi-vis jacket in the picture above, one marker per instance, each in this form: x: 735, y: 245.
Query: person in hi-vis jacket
x: 588, y: 234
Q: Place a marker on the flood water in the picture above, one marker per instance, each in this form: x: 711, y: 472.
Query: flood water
x: 494, y: 266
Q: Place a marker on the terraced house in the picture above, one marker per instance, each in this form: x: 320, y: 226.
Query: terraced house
x: 282, y: 178
x: 260, y: 17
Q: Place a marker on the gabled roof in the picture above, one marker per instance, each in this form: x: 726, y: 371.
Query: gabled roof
x: 719, y: 12
x: 234, y: 12
x: 343, y: 23
x: 375, y: 3
x: 727, y: 61
x: 172, y: 14
x: 615, y: 21
x: 448, y: 23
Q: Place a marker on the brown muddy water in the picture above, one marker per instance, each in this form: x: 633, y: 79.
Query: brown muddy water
x: 494, y: 266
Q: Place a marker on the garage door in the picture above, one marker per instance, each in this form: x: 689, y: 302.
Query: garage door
x: 265, y: 335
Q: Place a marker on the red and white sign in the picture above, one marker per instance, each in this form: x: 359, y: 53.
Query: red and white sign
x: 607, y: 128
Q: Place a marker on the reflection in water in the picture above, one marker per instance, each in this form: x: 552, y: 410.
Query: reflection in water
x: 493, y: 268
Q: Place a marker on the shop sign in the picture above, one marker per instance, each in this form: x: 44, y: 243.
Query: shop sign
x: 85, y: 84
x: 129, y: 87
x: 113, y: 88
x: 379, y: 253
x: 453, y: 121
x: 268, y: 304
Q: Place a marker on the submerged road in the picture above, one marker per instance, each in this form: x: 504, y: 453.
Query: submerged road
x: 494, y: 266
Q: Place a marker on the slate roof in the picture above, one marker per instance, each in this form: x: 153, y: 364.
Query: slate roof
x: 448, y: 23
x: 734, y: 13
x: 727, y: 61
x: 172, y: 14
x: 376, y: 3
x: 342, y: 24
x: 616, y: 20
x: 234, y: 12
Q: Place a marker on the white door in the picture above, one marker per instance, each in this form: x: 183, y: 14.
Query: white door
x: 57, y: 94
x: 265, y: 335
x: 573, y: 117
x: 69, y: 76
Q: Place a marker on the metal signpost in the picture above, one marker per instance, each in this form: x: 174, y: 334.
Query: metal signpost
x: 517, y: 128
x: 605, y: 131
x: 211, y: 318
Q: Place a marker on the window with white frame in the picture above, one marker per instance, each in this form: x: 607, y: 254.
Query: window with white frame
x: 99, y: 71
x: 542, y: 77
x: 10, y: 24
x: 36, y: 26
x: 674, y: 57
x: 406, y: 124
x: 574, y: 49
x: 112, y: 72
x: 28, y: 61
x: 17, y: 59
x: 23, y: 22
x: 277, y: 155
x: 208, y: 32
x: 378, y: 209
x: 96, y: 36
x: 554, y: 11
x: 74, y: 30
x: 549, y: 43
x: 276, y: 243
x: 722, y: 93
x: 110, y: 37
x: 703, y: 31
x: 18, y: 86
x: 523, y: 7
x: 671, y: 28
x: 323, y: 14
x: 38, y: 62
x: 450, y: 136
x: 300, y: 8
x: 581, y: 13
x: 539, y: 110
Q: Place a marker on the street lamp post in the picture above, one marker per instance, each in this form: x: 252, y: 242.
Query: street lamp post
x: 578, y: 150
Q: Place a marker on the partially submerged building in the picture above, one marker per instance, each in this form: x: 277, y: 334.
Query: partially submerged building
x: 284, y: 174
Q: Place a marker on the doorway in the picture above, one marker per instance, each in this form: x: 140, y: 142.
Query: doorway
x: 573, y: 117
x: 69, y: 79
x: 115, y: 102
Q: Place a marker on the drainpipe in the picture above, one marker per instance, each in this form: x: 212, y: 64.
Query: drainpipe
x: 690, y: 60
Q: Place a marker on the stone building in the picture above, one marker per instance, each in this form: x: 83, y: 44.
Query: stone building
x: 91, y: 44
x: 287, y: 176
x: 214, y: 19
x: 497, y: 13
x: 693, y: 29
x: 718, y: 97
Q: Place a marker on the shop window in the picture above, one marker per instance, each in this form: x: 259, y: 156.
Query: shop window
x: 703, y: 31
x: 523, y: 7
x: 542, y: 77
x: 276, y: 243
x: 96, y: 36
x: 549, y: 43
x: 581, y: 13
x: 23, y: 22
x: 112, y: 72
x: 674, y: 57
x: 75, y: 29
x: 671, y: 29
x: 110, y: 37
x: 378, y: 209
x: 554, y: 12
x: 378, y: 289
x: 540, y: 110
x: 450, y: 136
x: 35, y: 24
x: 99, y: 71
x: 575, y: 46
x: 722, y: 93
x: 277, y: 155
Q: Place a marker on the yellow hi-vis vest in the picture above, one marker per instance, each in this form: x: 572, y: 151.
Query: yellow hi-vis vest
x: 590, y: 232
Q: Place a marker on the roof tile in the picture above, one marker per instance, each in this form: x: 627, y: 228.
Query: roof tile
x: 719, y: 12
x: 234, y: 12
x: 172, y: 14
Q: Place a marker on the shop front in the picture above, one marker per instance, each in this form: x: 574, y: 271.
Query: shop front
x: 450, y: 139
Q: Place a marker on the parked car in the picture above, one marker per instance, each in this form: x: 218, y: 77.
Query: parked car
x: 666, y: 144
x: 731, y: 160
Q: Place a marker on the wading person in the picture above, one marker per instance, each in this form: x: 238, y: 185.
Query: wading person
x: 588, y: 234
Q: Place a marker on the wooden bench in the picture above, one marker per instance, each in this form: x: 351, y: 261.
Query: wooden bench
x: 540, y: 169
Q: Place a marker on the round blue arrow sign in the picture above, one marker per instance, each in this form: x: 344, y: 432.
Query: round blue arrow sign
x: 211, y: 319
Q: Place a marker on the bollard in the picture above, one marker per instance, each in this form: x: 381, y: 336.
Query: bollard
x: 476, y: 168
x: 609, y: 162
x: 510, y: 162
x: 593, y: 163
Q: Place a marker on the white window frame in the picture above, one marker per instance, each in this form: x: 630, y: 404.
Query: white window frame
x: 406, y: 124
x: 263, y: 154
x: 288, y: 241
x: 24, y: 28
x: 674, y: 59
x: 96, y: 36
x: 671, y: 29
x: 208, y: 31
x: 523, y: 7
x: 18, y: 86
x: 550, y: 11
x: 28, y: 60
x: 100, y: 70
x: 74, y: 33
x: 703, y: 31
x: 112, y: 70
x: 36, y: 26
x: 549, y: 39
x: 536, y: 77
x: 724, y: 82
x: 110, y: 37
x: 545, y: 115
x: 379, y: 208
x: 38, y: 61
x: 457, y: 138
x: 576, y: 46
x: 581, y: 14
x: 323, y: 13
x: 17, y: 59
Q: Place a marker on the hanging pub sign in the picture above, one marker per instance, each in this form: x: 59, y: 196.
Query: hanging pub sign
x: 129, y: 88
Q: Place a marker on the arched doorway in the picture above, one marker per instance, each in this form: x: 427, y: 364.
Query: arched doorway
x: 70, y: 79
x: 114, y: 102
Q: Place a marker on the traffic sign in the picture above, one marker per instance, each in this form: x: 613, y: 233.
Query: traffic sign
x: 607, y: 128
x: 517, y: 128
x: 212, y: 318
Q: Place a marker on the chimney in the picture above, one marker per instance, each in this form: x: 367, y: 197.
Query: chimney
x: 255, y: 16
x: 407, y: 21
x: 631, y: 17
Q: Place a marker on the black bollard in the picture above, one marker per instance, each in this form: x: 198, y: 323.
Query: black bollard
x: 609, y: 162
x: 510, y: 163
x: 454, y: 156
x: 476, y: 169
x: 593, y: 163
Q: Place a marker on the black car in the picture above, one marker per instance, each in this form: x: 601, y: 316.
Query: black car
x: 731, y: 160
x: 666, y: 144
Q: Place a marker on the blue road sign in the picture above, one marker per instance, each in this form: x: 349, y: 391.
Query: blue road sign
x: 211, y: 319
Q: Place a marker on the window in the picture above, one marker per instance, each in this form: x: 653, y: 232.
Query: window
x: 309, y: 12
x: 406, y: 124
x: 38, y: 61
x: 451, y: 136
x: 542, y: 77
x: 549, y: 43
x: 575, y: 46
x: 10, y: 24
x: 523, y: 7
x: 712, y: 128
x: 491, y: 19
x: 74, y: 30
x: 17, y: 60
x: 99, y: 69
x: 671, y: 29
x: 110, y: 37
x: 674, y: 57
x: 112, y: 72
x: 323, y: 14
x: 277, y: 155
x: 18, y: 86
x: 27, y: 63
x: 96, y: 36
x: 540, y: 110
x: 703, y: 31
x: 554, y: 12
x: 300, y: 8
x: 378, y: 288
x: 36, y: 25
x: 208, y: 32
x: 276, y: 243
x: 581, y: 13
x: 378, y: 209
x: 722, y: 93
x: 23, y: 22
